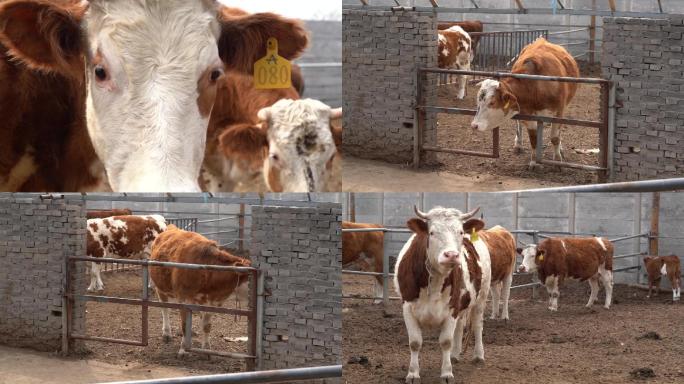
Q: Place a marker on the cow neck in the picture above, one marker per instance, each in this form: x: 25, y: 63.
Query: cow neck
x: 516, y: 88
x: 460, y: 296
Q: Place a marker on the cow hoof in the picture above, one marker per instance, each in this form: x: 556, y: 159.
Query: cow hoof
x: 412, y: 379
x: 478, y: 360
x: 455, y: 359
x: 606, y: 306
x: 552, y: 309
x: 448, y: 379
x: 533, y: 166
x: 182, y: 353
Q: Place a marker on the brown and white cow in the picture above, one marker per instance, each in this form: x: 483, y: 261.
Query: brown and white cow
x: 203, y: 287
x: 498, y: 101
x: 502, y: 254
x: 108, y: 213
x: 443, y: 280
x: 659, y: 266
x: 558, y: 258
x: 149, y: 70
x: 121, y: 237
x: 455, y: 52
x: 472, y: 27
x: 366, y: 249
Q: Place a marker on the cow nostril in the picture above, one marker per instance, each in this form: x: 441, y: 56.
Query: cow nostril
x: 473, y: 126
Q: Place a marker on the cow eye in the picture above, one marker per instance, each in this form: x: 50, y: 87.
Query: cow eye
x: 274, y: 157
x: 216, y: 74
x: 432, y: 233
x: 100, y: 72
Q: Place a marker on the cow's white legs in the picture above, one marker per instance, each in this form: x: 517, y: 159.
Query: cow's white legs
x: 552, y: 289
x: 458, y: 337
x: 607, y: 280
x: 477, y: 312
x: 415, y: 342
x: 532, y: 134
x: 206, y: 328
x: 556, y: 141
x: 496, y: 294
x: 446, y: 338
x: 186, y: 341
x: 462, y: 82
x: 505, y: 294
x: 166, y: 320
x: 378, y: 292
x: 517, y: 145
x: 96, y: 283
x: 594, y: 284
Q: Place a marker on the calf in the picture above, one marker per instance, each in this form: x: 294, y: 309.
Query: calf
x: 557, y: 258
x: 370, y: 245
x: 201, y: 287
x: 455, y: 52
x: 121, y: 237
x: 659, y: 266
x: 502, y: 253
x: 108, y: 213
x: 498, y: 101
x: 443, y: 280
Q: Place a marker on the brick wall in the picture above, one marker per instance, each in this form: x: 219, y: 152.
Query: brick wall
x: 381, y: 51
x: 35, y: 237
x: 645, y: 58
x: 300, y: 252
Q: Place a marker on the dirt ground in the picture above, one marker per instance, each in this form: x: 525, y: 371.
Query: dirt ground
x: 124, y: 322
x: 573, y: 345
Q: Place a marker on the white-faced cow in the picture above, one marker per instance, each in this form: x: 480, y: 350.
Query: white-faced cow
x: 455, y: 52
x: 151, y: 69
x: 203, y: 287
x: 498, y: 101
x: 366, y: 249
x: 443, y: 280
x: 659, y: 266
x: 558, y: 258
x: 121, y: 237
x: 502, y: 253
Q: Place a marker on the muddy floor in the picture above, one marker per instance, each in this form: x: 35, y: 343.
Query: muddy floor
x: 637, y: 340
x: 124, y: 322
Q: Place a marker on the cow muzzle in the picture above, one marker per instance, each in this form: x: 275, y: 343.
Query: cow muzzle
x: 449, y: 258
x: 522, y: 269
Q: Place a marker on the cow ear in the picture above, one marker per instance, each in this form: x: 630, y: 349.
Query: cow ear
x: 45, y: 35
x: 519, y: 250
x: 243, y: 37
x: 417, y: 226
x: 336, y: 126
x: 247, y: 141
x: 471, y: 224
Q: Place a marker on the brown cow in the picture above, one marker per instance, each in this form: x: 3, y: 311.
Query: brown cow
x: 203, y: 287
x: 501, y: 245
x: 108, y: 213
x: 558, y: 258
x: 370, y: 245
x: 470, y: 26
x: 498, y: 101
x: 659, y: 266
x: 455, y: 52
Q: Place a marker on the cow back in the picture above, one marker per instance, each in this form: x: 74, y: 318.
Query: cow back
x: 578, y: 258
x: 501, y: 245
x: 355, y: 243
x: 123, y: 236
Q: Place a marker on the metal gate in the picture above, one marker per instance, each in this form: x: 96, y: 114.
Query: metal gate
x: 186, y: 224
x: 254, y: 314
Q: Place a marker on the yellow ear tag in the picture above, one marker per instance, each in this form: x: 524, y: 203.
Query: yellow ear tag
x: 473, y: 236
x: 541, y: 257
x: 272, y: 71
x: 507, y: 104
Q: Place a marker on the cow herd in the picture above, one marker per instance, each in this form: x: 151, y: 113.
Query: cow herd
x: 500, y: 100
x: 145, y: 96
x: 447, y: 268
x: 150, y: 237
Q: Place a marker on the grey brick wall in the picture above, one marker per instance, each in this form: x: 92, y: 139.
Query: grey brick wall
x: 645, y: 57
x: 35, y: 238
x: 300, y: 252
x: 380, y: 53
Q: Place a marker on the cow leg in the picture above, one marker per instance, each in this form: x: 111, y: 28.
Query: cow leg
x: 462, y: 82
x: 555, y: 138
x: 96, y: 283
x: 446, y: 338
x: 650, y: 288
x: 554, y: 293
x: 378, y: 261
x: 607, y: 280
x: 476, y: 325
x: 532, y: 134
x: 415, y: 342
x: 458, y: 338
x: 505, y: 295
x: 496, y: 294
x: 594, y: 284
x: 206, y: 328
x: 166, y: 321
x: 186, y: 341
x: 378, y: 290
x: 517, y: 146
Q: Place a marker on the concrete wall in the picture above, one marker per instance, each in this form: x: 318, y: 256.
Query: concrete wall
x: 300, y: 252
x: 36, y: 237
x: 381, y: 51
x: 603, y: 214
x: 644, y: 57
x: 323, y: 83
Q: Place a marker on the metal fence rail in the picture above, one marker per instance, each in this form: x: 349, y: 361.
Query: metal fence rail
x: 254, y: 314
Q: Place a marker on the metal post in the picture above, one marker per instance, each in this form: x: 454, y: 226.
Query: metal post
x: 253, y: 293
x: 241, y: 230
x: 655, y: 220
x: 352, y: 207
x: 385, y: 270
x: 540, y: 142
x: 259, y: 320
x: 66, y: 308
x: 417, y: 117
x: 592, y: 34
x: 611, y: 129
x: 187, y: 338
x: 495, y: 143
x: 145, y: 307
x: 535, y: 288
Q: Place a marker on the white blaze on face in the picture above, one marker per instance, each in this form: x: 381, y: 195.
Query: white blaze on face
x: 489, y: 113
x: 445, y: 233
x: 148, y: 65
x: 529, y: 253
x: 301, y: 145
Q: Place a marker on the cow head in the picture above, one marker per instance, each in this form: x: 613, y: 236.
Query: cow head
x: 445, y: 229
x: 301, y: 145
x: 495, y: 104
x: 531, y: 256
x: 151, y: 69
x: 242, y: 287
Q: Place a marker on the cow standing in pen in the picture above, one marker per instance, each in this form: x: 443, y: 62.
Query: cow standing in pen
x: 502, y: 254
x: 365, y: 248
x: 443, y: 279
x: 659, y: 266
x: 455, y: 52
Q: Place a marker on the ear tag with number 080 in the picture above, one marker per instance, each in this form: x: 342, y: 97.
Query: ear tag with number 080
x: 272, y: 71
